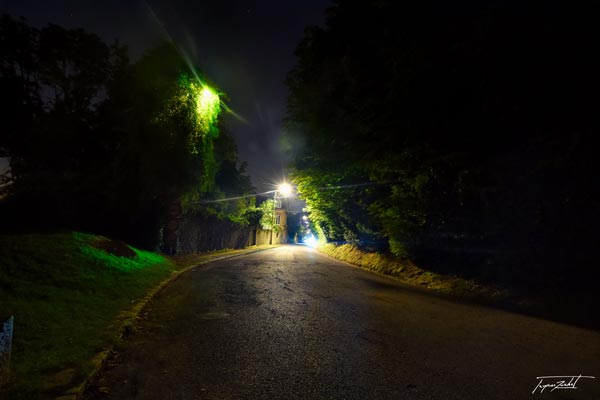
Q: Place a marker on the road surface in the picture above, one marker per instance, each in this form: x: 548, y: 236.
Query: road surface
x: 289, y: 323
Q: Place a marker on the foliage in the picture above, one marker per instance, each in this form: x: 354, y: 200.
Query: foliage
x: 98, y: 143
x: 461, y: 133
x: 408, y: 273
x: 230, y: 195
x: 167, y: 149
x: 266, y: 209
x: 51, y: 81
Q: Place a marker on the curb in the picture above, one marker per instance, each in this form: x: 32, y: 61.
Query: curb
x: 130, y: 316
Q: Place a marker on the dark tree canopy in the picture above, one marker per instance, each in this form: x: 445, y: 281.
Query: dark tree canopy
x: 469, y: 127
x: 98, y: 143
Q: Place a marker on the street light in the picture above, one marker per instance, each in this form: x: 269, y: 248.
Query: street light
x: 284, y: 190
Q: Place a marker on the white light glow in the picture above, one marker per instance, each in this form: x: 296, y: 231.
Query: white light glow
x: 284, y: 189
x: 311, y: 241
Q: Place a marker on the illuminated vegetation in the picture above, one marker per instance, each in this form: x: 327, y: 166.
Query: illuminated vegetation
x: 65, y: 293
x: 118, y: 141
x: 407, y: 272
x: 441, y: 147
x: 199, y: 105
x: 208, y: 108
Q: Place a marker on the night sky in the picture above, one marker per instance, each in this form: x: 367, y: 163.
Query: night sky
x: 244, y: 47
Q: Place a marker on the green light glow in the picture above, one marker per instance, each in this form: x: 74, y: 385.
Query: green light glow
x: 142, y: 260
x: 208, y: 106
x: 195, y: 109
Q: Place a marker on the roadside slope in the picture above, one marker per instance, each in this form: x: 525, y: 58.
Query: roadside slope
x: 555, y: 303
x: 65, y: 291
x: 71, y: 295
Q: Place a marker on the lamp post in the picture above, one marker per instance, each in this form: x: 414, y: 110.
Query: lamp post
x: 284, y: 190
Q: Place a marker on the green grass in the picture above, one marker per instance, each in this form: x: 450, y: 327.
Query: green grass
x: 66, y: 295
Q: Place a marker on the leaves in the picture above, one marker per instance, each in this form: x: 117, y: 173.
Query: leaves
x: 100, y: 144
x: 450, y: 128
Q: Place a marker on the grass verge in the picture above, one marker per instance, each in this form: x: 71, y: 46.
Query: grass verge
x: 65, y: 291
x: 73, y: 295
x: 560, y: 304
x: 409, y: 273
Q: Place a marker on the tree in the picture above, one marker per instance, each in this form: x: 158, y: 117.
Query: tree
x: 52, y: 84
x: 163, y: 121
x: 232, y: 190
x: 460, y: 132
x: 100, y: 144
x: 267, y: 208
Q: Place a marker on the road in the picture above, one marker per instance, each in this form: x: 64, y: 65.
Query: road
x: 289, y: 323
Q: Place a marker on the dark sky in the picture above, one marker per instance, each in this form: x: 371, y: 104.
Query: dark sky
x: 245, y: 47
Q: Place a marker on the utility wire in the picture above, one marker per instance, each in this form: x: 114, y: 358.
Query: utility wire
x: 349, y: 186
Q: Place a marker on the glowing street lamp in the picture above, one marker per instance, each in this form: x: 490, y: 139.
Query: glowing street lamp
x: 284, y: 189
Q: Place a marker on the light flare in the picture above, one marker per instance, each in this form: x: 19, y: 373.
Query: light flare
x: 285, y: 189
x: 311, y: 241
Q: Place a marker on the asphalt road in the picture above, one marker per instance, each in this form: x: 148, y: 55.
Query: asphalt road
x: 289, y: 323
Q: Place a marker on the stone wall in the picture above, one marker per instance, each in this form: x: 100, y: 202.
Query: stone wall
x: 201, y: 233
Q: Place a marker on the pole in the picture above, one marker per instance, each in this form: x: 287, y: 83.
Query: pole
x: 273, y: 217
x: 6, y: 334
